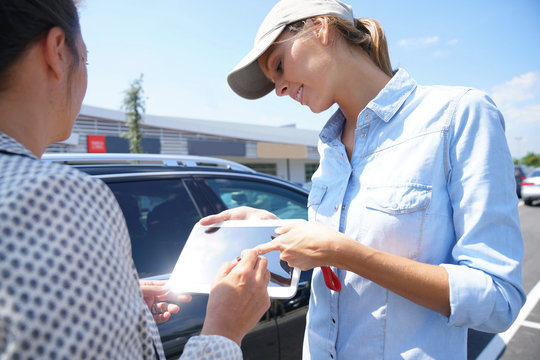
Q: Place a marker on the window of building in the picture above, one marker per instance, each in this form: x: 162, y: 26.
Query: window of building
x: 265, y: 168
x: 309, y: 169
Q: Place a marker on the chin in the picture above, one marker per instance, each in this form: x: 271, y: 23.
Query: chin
x: 318, y: 109
x: 60, y: 137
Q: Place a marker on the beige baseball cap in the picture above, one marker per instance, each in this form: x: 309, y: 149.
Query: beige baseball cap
x: 247, y: 78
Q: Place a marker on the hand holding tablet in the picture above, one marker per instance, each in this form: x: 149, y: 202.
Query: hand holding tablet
x: 238, y: 298
x: 208, y: 247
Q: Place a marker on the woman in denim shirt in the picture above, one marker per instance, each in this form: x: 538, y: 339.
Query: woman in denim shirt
x: 413, y: 204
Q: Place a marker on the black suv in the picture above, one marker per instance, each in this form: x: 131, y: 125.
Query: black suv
x: 520, y: 173
x: 162, y: 197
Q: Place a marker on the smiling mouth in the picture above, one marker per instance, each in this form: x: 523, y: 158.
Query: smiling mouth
x: 299, y: 94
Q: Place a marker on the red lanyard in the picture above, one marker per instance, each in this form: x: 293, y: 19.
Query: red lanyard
x: 331, y: 279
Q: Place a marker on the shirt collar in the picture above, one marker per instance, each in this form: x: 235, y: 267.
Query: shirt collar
x: 384, y: 105
x: 393, y: 95
x: 333, y: 127
x: 12, y: 146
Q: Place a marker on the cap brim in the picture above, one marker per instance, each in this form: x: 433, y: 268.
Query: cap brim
x: 247, y: 78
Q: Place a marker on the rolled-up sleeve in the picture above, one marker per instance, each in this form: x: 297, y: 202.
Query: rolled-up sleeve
x: 485, y: 268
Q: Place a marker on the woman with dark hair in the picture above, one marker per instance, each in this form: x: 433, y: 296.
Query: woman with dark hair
x: 69, y: 288
x: 413, y: 204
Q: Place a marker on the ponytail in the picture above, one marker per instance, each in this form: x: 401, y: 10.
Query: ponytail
x: 369, y: 35
x: 378, y: 45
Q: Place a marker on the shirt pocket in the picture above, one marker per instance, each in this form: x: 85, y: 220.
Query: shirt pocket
x: 394, y: 216
x: 315, y: 198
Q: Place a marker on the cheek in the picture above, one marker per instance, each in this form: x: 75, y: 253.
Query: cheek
x: 82, y: 82
x: 85, y: 80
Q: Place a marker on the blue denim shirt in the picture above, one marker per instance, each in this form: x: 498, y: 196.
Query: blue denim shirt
x: 430, y: 179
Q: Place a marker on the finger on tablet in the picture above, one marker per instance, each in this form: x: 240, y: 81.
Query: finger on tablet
x: 171, y: 296
x: 268, y: 247
x: 284, y: 229
x: 214, y: 219
x: 225, y: 269
x: 249, y: 258
x: 163, y: 307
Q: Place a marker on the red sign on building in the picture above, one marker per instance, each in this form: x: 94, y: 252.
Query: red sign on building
x: 96, y: 144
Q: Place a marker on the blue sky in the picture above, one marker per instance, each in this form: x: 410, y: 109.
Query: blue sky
x: 185, y: 50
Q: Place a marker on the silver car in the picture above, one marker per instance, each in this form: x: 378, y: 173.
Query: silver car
x: 530, y: 187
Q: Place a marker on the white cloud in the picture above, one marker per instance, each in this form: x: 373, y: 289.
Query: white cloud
x: 419, y: 42
x: 452, y: 42
x: 519, y: 101
x: 440, y: 53
x: 521, y: 88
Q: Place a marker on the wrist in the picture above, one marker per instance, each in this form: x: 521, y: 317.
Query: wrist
x: 225, y: 331
x: 341, y: 246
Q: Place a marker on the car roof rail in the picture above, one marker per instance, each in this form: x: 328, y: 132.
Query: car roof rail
x: 143, y: 159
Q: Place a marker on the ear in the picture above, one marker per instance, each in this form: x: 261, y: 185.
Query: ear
x: 322, y: 29
x: 56, y: 52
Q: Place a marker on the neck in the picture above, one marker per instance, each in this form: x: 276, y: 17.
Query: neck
x: 25, y: 124
x: 362, y: 80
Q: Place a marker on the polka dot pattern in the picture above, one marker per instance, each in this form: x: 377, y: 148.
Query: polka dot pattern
x: 211, y: 347
x: 69, y: 288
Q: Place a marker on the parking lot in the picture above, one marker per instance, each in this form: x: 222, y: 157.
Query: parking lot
x: 521, y: 341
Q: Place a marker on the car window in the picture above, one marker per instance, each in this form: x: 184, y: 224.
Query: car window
x: 284, y: 203
x: 535, y: 173
x: 159, y: 215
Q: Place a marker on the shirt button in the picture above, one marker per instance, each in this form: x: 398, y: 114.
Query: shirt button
x: 333, y: 320
x: 336, y: 207
x: 363, y: 135
x: 366, y: 116
x: 343, y: 207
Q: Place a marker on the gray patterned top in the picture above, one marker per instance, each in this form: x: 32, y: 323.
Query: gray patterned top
x: 69, y: 287
x: 211, y: 347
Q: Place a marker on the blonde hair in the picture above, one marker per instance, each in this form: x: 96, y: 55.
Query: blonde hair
x: 366, y: 33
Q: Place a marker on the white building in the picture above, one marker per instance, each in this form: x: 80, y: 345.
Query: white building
x: 287, y: 152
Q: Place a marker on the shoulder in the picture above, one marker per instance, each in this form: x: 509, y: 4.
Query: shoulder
x: 476, y: 110
x: 43, y: 189
x: 458, y: 95
x: 458, y: 105
x: 21, y: 175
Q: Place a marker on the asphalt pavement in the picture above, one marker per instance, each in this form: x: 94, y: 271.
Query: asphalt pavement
x: 522, y: 340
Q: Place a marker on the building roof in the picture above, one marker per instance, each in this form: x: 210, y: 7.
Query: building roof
x: 286, y: 135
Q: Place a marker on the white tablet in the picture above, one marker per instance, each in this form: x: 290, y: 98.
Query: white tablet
x: 208, y: 247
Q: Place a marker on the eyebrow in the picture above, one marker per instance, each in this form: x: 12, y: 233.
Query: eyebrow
x: 265, y: 65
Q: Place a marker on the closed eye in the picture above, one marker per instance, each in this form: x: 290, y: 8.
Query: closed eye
x: 279, y: 67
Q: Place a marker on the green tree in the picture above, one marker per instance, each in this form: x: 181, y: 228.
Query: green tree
x: 531, y: 159
x: 134, y: 106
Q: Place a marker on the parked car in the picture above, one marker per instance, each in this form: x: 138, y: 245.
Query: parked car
x: 520, y: 173
x: 162, y: 197
x: 530, y: 187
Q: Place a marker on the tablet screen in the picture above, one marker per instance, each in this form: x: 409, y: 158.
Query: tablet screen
x: 208, y: 247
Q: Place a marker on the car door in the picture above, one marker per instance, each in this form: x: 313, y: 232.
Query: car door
x: 160, y: 211
x: 287, y: 202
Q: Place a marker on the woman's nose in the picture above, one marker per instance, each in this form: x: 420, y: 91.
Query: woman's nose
x: 282, y: 89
